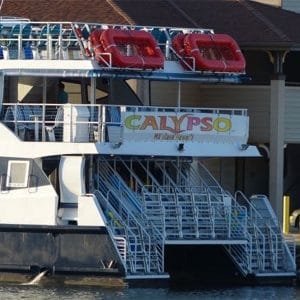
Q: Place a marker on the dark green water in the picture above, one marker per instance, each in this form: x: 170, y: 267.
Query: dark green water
x: 13, y: 292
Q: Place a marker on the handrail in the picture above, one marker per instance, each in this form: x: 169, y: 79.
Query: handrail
x: 260, y: 247
x: 144, y: 233
x: 251, y: 206
x: 157, y: 239
x: 273, y: 241
x: 290, y: 243
x: 109, y: 207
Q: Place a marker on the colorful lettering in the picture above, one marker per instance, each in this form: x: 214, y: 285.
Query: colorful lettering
x: 129, y: 122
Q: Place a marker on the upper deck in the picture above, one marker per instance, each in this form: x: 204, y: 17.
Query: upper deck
x: 66, y: 49
x: 46, y: 129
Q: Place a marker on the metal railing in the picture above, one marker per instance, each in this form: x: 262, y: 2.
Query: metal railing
x: 205, y: 212
x: 125, y: 204
x: 121, y: 245
x: 80, y: 123
x: 119, y: 227
x: 267, y: 240
x: 54, y: 38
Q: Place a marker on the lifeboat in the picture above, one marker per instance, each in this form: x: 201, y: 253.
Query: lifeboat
x: 231, y: 53
x: 97, y: 47
x: 178, y: 44
x: 132, y: 49
x: 211, y: 52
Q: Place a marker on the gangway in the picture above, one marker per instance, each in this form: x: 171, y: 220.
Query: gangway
x: 198, y: 215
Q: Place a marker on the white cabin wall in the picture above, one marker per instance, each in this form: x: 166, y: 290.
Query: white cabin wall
x: 33, y: 202
x: 29, y: 206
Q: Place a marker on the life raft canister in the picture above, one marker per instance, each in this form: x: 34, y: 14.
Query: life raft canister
x: 97, y: 47
x: 132, y: 49
x: 231, y: 53
x: 211, y: 52
x: 178, y: 45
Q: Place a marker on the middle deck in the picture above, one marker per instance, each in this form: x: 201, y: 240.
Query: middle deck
x: 134, y: 130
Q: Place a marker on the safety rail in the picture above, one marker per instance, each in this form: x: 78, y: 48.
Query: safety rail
x: 203, y: 212
x: 56, y: 37
x: 273, y: 247
x: 141, y: 237
x: 120, y: 228
x: 121, y: 245
x: 67, y: 41
x: 290, y: 250
x: 80, y: 123
x: 267, y: 238
x: 259, y: 248
x: 46, y: 40
x: 209, y: 218
x: 126, y: 204
x: 206, y: 178
x: 242, y: 255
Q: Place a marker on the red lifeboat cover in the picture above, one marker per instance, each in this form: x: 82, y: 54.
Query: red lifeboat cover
x: 214, y: 52
x: 97, y: 46
x: 178, y: 46
x: 132, y: 49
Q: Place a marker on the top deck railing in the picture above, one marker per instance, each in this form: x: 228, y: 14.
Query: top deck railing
x: 23, y: 39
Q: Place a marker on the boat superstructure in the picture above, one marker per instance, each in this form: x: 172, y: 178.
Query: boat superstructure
x: 105, y: 183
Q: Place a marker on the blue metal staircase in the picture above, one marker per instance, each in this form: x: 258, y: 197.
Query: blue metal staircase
x: 153, y: 203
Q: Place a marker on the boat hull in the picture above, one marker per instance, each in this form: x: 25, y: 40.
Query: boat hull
x: 59, y: 249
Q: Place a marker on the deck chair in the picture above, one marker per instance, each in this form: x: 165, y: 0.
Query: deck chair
x: 23, y: 114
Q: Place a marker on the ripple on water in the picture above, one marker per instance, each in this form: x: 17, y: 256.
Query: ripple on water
x: 14, y: 292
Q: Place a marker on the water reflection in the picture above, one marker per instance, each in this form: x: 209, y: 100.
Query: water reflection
x: 13, y: 292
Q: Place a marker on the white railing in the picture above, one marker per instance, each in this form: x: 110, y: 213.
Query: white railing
x: 81, y: 123
x: 120, y: 227
x: 121, y: 245
x: 50, y: 40
x: 128, y: 208
x: 263, y: 229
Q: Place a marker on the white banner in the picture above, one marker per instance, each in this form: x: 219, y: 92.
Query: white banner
x: 186, y: 127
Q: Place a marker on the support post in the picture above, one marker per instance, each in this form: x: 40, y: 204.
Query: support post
x: 92, y: 103
x: 277, y: 110
x: 286, y: 215
x: 179, y: 95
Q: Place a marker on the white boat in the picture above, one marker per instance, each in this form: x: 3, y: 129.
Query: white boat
x: 98, y: 189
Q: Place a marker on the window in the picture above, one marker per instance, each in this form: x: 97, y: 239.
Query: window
x: 17, y: 173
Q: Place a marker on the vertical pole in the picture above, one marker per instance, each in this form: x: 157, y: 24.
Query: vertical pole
x: 44, y: 108
x: 93, y: 91
x: 44, y: 90
x: 179, y: 95
x: 277, y: 110
x: 92, y: 103
x: 286, y: 214
x: 149, y: 93
x: 178, y: 106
